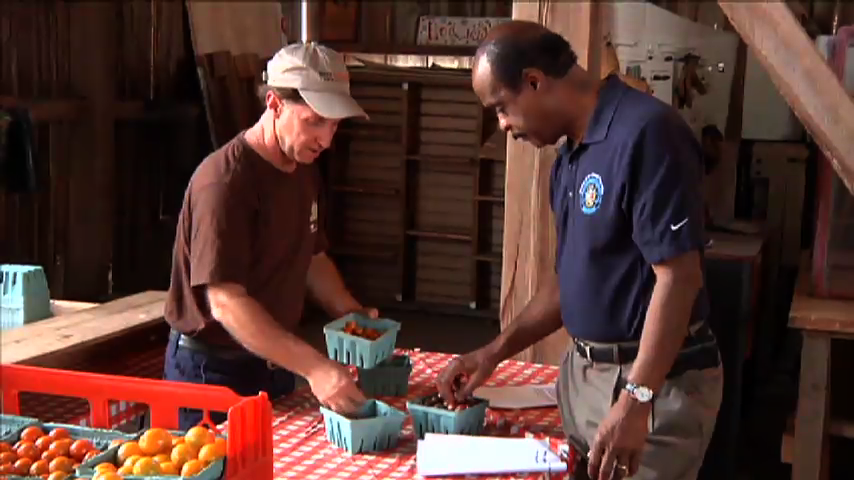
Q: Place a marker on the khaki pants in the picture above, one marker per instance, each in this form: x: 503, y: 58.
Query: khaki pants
x: 682, y: 421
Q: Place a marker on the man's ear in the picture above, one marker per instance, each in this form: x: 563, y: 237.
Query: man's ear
x: 533, y: 78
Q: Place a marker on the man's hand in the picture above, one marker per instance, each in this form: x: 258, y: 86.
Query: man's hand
x: 369, y: 312
x: 334, y: 387
x: 617, y: 448
x: 475, y: 368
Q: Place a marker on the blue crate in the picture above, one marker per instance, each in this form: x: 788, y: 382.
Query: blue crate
x: 214, y: 471
x: 24, y: 295
x: 389, y: 378
x: 11, y: 427
x: 438, y: 420
x: 378, y: 428
x: 361, y: 352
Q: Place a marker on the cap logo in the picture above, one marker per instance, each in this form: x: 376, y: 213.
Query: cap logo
x: 326, y: 76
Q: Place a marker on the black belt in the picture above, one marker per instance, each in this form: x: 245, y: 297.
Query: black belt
x: 700, y: 351
x: 221, y: 352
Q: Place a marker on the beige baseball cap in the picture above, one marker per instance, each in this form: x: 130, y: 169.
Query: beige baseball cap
x: 319, y: 74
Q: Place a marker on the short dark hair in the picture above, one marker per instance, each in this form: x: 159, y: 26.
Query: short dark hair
x: 510, y: 55
x: 284, y: 94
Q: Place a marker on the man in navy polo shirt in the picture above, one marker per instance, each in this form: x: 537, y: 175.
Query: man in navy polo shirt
x: 641, y: 382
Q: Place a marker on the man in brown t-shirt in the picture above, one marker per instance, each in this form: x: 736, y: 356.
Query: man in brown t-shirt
x: 250, y: 246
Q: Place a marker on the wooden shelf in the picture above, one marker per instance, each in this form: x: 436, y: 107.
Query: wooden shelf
x: 376, y: 252
x: 47, y: 110
x: 439, y: 159
x: 489, y: 257
x: 489, y: 198
x: 368, y: 190
x: 459, y: 237
x: 400, y: 49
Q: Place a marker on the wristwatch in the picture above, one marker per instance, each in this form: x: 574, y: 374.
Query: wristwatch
x: 639, y: 392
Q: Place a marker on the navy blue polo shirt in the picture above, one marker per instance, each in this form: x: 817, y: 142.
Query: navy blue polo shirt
x: 626, y: 197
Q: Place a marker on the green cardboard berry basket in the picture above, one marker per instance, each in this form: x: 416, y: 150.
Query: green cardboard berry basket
x: 11, y: 426
x: 388, y: 378
x: 468, y: 421
x: 377, y: 430
x: 214, y: 471
x: 361, y: 352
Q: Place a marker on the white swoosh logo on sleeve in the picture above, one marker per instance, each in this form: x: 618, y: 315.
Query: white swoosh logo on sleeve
x: 679, y: 225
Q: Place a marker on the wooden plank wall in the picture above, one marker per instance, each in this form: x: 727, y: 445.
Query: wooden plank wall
x: 105, y: 83
x: 416, y: 212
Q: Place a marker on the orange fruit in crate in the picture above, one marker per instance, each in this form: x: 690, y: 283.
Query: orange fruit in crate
x: 57, y: 476
x: 58, y: 433
x: 50, y: 455
x: 182, y: 454
x: 209, y: 453
x: 105, y: 467
x: 177, y: 441
x: 162, y: 458
x: 199, y: 437
x: 193, y: 467
x: 39, y: 467
x: 89, y: 455
x: 80, y: 448
x: 8, y: 457
x: 61, y: 464
x: 107, y: 476
x: 154, y: 441
x: 7, y: 468
x: 22, y: 466
x: 28, y: 450
x: 5, y: 447
x: 146, y: 466
x: 168, y: 468
x: 43, y: 443
x: 125, y: 470
x: 31, y: 434
x: 127, y: 450
x: 131, y: 461
x: 62, y: 446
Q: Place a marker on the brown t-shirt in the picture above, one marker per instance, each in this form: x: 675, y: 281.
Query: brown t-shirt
x: 244, y: 221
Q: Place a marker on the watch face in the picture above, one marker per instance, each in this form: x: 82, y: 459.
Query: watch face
x: 643, y: 394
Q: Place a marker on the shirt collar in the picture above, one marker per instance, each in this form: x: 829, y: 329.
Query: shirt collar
x: 609, y: 97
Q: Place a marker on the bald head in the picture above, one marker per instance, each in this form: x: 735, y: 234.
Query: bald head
x: 513, y: 47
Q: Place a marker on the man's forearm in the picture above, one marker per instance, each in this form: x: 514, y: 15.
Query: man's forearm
x: 327, y: 289
x: 540, y: 318
x: 250, y: 324
x: 665, y: 328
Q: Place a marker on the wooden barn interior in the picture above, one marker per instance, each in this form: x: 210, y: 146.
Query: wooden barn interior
x: 435, y: 217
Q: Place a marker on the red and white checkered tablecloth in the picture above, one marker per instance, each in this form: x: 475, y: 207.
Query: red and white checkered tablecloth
x: 301, y: 450
x: 300, y: 447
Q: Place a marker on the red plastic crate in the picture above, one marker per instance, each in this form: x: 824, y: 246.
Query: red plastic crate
x: 250, y: 419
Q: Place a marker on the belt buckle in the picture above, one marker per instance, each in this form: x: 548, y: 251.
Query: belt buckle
x: 587, y: 350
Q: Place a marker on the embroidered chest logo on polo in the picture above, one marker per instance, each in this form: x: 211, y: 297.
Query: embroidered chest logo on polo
x: 312, y: 221
x: 590, y: 193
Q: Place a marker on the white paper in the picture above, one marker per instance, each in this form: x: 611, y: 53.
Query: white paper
x: 522, y: 396
x: 440, y: 455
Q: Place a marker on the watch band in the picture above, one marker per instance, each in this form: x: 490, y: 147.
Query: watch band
x: 640, y: 393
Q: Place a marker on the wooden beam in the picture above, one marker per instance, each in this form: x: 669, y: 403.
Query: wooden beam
x: 802, y: 76
x: 529, y: 232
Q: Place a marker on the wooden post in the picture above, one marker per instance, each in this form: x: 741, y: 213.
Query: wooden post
x: 529, y: 232
x: 802, y: 76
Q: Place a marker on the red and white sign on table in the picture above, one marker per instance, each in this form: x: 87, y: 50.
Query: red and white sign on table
x: 455, y: 31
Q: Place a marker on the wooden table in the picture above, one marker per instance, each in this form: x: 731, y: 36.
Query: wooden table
x: 821, y: 321
x: 78, y: 327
